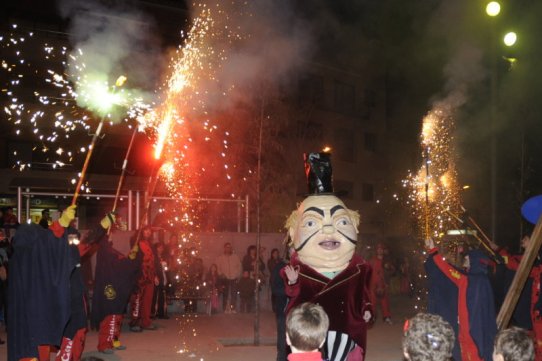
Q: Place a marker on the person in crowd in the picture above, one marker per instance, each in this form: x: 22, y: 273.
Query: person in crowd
x: 256, y: 268
x: 278, y: 302
x: 191, y: 277
x: 405, y: 287
x: 4, y: 265
x: 10, y: 222
x: 379, y: 284
x: 274, y: 259
x: 214, y: 285
x: 306, y: 330
x: 141, y: 302
x: 246, y: 289
x: 45, y: 219
x: 428, y: 337
x: 229, y: 269
x: 464, y: 298
x: 513, y: 344
x: 159, y: 297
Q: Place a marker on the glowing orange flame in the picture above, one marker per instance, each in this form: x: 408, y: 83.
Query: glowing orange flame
x: 428, y: 129
x: 163, y: 131
x: 167, y: 169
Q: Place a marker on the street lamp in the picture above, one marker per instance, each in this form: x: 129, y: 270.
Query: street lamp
x: 510, y: 38
x: 493, y: 8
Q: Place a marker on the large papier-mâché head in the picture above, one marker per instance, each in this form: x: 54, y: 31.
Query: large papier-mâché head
x: 324, y: 232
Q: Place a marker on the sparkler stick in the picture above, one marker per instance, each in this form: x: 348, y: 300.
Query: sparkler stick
x: 427, y: 235
x: 120, y: 81
x: 122, y: 175
x: 484, y: 242
x: 153, y: 180
x: 471, y: 220
x: 87, y: 159
x: 123, y: 171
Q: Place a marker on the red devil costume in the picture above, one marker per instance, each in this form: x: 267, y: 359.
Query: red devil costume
x: 379, y: 286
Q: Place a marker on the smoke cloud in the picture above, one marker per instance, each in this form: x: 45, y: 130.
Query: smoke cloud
x: 110, y: 42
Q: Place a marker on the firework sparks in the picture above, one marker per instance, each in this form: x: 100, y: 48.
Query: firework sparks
x: 45, y: 101
x: 434, y: 188
x: 181, y: 122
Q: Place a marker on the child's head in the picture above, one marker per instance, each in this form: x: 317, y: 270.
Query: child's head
x: 428, y: 338
x: 513, y: 344
x: 306, y: 327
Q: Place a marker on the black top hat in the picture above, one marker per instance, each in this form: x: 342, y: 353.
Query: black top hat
x: 319, y: 173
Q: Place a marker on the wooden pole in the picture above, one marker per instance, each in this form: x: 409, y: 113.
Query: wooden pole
x: 427, y: 235
x: 122, y: 176
x: 87, y: 160
x: 524, y: 268
x: 485, y: 241
x: 123, y: 171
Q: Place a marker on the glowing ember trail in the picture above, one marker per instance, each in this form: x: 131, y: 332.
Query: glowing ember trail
x: 434, y: 188
x: 182, y: 126
x: 181, y: 122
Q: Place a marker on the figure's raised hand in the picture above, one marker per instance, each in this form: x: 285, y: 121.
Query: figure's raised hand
x: 291, y: 273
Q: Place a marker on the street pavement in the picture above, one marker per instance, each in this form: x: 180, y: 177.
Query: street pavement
x: 230, y: 337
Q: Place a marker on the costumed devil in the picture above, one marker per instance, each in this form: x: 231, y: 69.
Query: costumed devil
x: 465, y: 300
x: 39, y: 299
x: 324, y: 269
x: 46, y: 295
x: 114, y: 281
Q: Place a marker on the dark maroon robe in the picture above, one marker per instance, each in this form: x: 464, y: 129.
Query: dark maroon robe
x: 345, y: 298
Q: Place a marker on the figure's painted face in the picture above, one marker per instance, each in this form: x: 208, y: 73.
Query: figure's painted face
x: 324, y: 233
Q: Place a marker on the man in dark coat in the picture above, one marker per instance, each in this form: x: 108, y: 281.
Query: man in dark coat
x: 39, y: 289
x: 280, y: 300
x: 465, y: 300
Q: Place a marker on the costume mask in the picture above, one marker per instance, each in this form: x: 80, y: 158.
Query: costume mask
x: 324, y: 232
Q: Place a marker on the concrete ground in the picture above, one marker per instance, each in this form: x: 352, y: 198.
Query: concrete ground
x: 230, y: 337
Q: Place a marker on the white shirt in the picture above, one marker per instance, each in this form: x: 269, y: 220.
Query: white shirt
x: 229, y: 266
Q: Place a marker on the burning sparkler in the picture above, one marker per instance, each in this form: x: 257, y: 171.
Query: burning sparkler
x: 106, y: 102
x: 434, y: 189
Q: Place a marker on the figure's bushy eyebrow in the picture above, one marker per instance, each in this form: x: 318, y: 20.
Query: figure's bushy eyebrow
x: 315, y: 209
x: 335, y: 209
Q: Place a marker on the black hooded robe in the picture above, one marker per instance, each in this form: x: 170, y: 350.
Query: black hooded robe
x: 39, y: 290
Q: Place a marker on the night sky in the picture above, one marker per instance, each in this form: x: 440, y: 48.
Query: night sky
x: 431, y: 51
